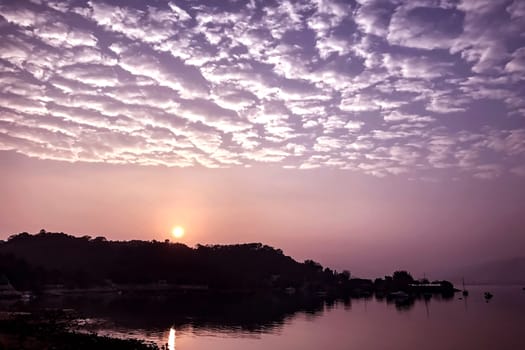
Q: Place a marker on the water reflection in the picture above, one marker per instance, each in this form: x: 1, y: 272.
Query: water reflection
x: 260, y: 313
x: 256, y: 314
x: 171, y: 339
x: 266, y: 321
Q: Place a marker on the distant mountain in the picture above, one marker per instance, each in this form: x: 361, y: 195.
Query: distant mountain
x: 509, y: 271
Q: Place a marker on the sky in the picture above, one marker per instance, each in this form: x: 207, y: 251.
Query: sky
x: 368, y: 135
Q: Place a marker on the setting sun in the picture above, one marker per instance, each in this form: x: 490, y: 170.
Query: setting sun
x: 178, y: 232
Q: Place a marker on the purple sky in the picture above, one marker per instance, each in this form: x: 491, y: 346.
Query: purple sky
x: 365, y: 134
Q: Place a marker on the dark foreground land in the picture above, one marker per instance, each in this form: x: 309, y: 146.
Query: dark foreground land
x: 49, y: 330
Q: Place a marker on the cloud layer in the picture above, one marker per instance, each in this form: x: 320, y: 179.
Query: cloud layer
x: 419, y: 88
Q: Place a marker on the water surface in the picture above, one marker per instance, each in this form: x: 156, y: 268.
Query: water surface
x: 197, y: 322
x: 457, y: 323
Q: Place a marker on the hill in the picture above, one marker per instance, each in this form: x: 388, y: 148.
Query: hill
x: 57, y: 262
x: 32, y: 261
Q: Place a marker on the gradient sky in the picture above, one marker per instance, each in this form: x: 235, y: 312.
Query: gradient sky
x: 368, y: 135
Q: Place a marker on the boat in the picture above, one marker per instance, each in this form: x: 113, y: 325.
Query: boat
x: 465, y: 292
x: 488, y: 296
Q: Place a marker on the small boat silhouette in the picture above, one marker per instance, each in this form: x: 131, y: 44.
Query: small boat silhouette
x: 465, y: 292
x: 488, y: 296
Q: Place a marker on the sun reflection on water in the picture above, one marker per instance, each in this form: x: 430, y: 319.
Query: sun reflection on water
x: 171, y: 339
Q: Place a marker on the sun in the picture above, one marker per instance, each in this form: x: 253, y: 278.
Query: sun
x: 178, y: 232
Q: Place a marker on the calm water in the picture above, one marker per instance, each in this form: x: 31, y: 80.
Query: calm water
x: 312, y: 324
x: 363, y: 324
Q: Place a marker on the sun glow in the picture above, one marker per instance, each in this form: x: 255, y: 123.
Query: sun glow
x: 178, y: 232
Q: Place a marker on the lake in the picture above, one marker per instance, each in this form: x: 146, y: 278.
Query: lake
x: 256, y: 324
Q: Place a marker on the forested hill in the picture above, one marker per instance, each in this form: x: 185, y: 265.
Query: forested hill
x: 32, y: 261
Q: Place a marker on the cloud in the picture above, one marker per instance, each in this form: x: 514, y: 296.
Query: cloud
x: 386, y: 88
x: 425, y: 27
x: 373, y: 17
x: 517, y: 63
x: 397, y: 116
x: 151, y: 26
x: 484, y: 46
x: 418, y: 66
x: 23, y: 17
x: 58, y: 34
x: 172, y: 73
